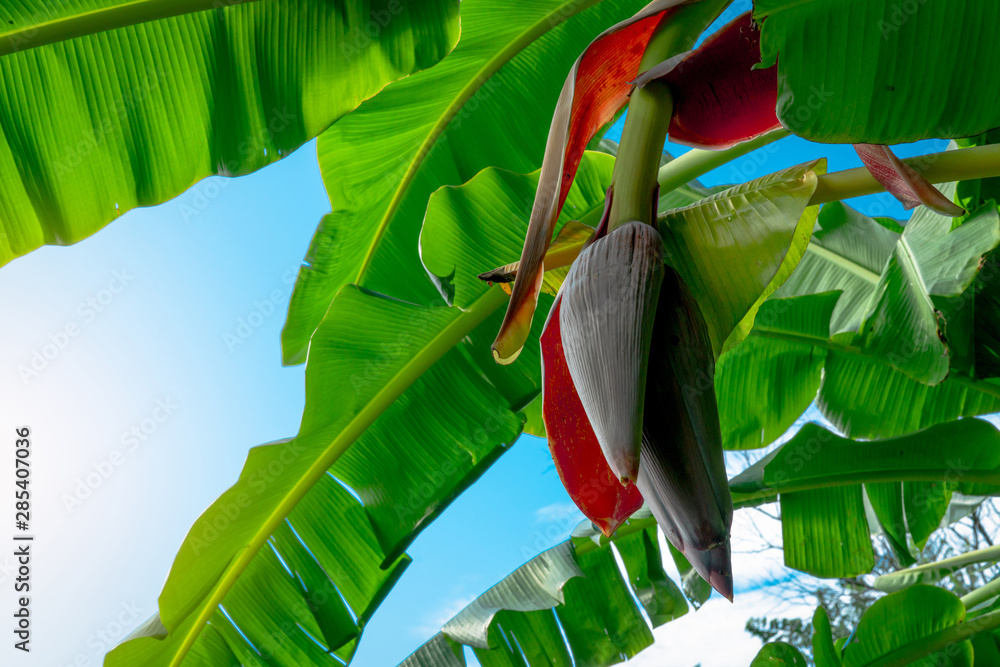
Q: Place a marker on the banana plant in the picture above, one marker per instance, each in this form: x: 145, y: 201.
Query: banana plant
x: 670, y: 330
x: 772, y: 218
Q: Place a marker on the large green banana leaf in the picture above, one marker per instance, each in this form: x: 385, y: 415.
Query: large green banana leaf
x: 866, y: 398
x: 817, y: 458
x: 912, y: 624
x: 28, y: 25
x: 883, y: 71
x: 899, y: 288
x: 818, y: 476
x: 488, y: 104
x: 930, y: 261
x: 97, y: 125
x: 921, y: 626
x: 764, y: 384
x: 861, y: 389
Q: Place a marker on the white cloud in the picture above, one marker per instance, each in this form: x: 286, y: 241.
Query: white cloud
x: 558, y: 513
x: 714, y: 636
x: 433, y: 621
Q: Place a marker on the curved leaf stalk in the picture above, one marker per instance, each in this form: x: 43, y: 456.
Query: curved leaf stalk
x: 99, y: 20
x: 981, y: 594
x: 698, y: 162
x: 962, y: 165
x: 988, y: 555
x: 649, y: 112
x: 442, y: 343
x: 942, y: 639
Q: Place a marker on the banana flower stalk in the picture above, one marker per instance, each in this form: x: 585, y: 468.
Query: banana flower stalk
x: 623, y: 351
x: 620, y: 354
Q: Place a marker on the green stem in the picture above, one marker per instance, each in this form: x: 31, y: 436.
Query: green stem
x: 98, y: 20
x: 759, y: 496
x: 925, y: 646
x: 639, y: 154
x: 937, y: 570
x: 697, y: 162
x: 649, y: 112
x: 960, y: 165
x: 987, y: 555
x: 982, y: 594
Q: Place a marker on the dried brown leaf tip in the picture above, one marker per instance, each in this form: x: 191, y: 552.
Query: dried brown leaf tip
x: 903, y: 182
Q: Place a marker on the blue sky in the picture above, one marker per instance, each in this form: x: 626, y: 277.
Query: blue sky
x: 144, y: 416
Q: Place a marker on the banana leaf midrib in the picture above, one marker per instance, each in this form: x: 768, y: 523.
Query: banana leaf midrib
x: 907, y: 255
x: 956, y: 562
x: 863, y: 477
x: 565, y: 11
x: 981, y: 386
x: 843, y: 262
x: 925, y: 646
x: 422, y: 360
x: 100, y: 20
